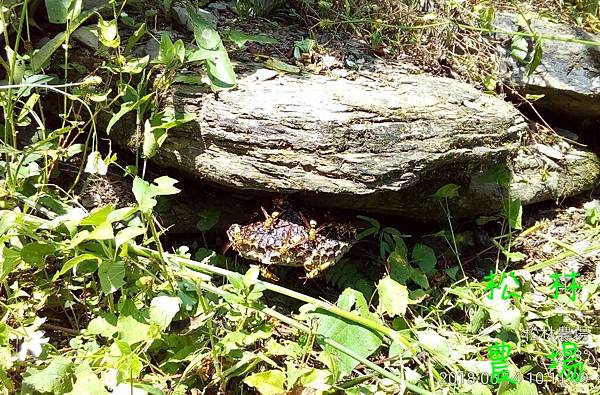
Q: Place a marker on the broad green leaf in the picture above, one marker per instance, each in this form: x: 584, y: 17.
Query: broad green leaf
x: 143, y: 195
x: 424, y: 256
x: 220, y: 71
x: 58, y: 10
x: 128, y: 234
x: 271, y: 382
x: 452, y: 271
x: 241, y: 38
x: 208, y: 219
x: 519, y: 48
x: 103, y: 326
x: 98, y: 215
x: 219, y: 68
x: 434, y: 342
x: 165, y: 186
x: 318, y: 379
x: 129, y: 367
x: 393, y: 297
x: 125, y: 108
x: 71, y: 263
x: 513, y: 209
x: 121, y: 214
x: 102, y: 232
x: 420, y: 278
x: 87, y: 383
x: 135, y: 65
x: 362, y: 341
x: 132, y: 331
x: 163, y: 309
x: 109, y: 32
x: 447, y: 191
x: 9, y: 259
x: 112, y: 276
x: 514, y: 256
x: 400, y: 269
x: 34, y: 253
x: 54, y: 378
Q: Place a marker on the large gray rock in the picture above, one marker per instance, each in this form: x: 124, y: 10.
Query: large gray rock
x: 569, y: 74
x: 381, y: 142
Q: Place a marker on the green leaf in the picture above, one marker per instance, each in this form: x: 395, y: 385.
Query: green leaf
x: 121, y: 214
x: 58, y: 10
x: 134, y: 38
x: 362, y: 341
x: 318, y: 379
x: 448, y: 191
x: 128, y: 367
x: 219, y: 68
x: 54, y: 378
x: 425, y: 258
x: 9, y: 259
x: 400, y: 269
x: 514, y: 256
x: 393, y: 297
x: 128, y: 234
x: 164, y: 186
x: 420, y: 278
x: 98, y: 216
x: 271, y: 382
x: 163, y: 309
x: 87, y: 383
x: 35, y: 253
x: 125, y: 108
x: 102, y: 232
x: 103, y: 325
x: 143, y: 195
x: 71, y: 263
x: 452, y: 271
x: 434, y: 342
x: 513, y: 209
x: 519, y: 48
x: 538, y: 53
x: 109, y: 32
x: 150, y: 145
x: 208, y: 219
x: 132, y: 331
x: 112, y: 276
x: 241, y: 38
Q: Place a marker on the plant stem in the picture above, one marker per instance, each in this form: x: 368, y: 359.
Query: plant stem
x: 333, y: 309
x: 332, y: 343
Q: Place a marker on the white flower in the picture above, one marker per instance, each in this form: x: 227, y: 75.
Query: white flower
x: 95, y: 164
x: 32, y: 344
